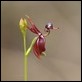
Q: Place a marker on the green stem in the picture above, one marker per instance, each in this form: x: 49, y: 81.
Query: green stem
x: 30, y: 48
x: 24, y: 37
x: 26, y: 56
x: 25, y: 60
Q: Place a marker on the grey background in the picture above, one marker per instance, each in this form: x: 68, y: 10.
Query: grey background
x: 63, y: 47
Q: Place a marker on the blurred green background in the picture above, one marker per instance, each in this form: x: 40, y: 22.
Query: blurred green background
x: 63, y: 47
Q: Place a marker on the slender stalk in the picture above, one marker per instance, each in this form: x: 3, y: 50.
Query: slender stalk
x: 30, y: 48
x: 25, y: 61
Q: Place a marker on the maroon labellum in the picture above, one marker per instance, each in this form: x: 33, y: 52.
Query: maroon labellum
x: 39, y: 46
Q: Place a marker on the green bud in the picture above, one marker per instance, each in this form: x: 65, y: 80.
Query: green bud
x: 23, y: 25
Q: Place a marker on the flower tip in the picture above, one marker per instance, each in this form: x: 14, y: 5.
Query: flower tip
x: 27, y: 16
x: 55, y: 28
x: 23, y: 22
x: 43, y: 54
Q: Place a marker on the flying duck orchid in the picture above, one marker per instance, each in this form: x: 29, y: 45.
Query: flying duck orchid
x: 39, y: 42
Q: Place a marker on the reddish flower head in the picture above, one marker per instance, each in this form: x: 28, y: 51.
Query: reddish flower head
x: 39, y: 46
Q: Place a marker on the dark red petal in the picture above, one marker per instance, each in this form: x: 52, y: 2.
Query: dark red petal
x: 33, y: 28
x: 36, y: 50
x: 41, y: 44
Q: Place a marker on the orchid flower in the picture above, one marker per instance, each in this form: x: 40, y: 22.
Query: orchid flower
x: 39, y: 44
